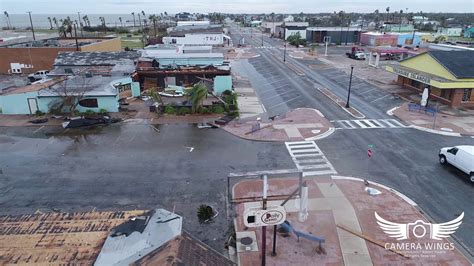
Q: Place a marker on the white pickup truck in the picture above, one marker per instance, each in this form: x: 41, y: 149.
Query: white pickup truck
x: 461, y: 157
x: 41, y: 74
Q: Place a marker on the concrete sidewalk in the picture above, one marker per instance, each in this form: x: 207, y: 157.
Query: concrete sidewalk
x: 444, y: 121
x: 296, y: 125
x: 332, y: 202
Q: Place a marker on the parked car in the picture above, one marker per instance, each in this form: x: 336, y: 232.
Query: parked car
x: 461, y: 157
x: 41, y: 74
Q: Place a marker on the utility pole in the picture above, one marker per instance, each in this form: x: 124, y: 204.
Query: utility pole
x: 32, y: 30
x: 80, y: 23
x: 264, y: 228
x: 349, y: 92
x: 262, y: 37
x: 75, y: 34
x: 284, y: 52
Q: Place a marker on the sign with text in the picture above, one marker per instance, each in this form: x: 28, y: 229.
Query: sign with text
x: 412, y: 75
x: 256, y: 217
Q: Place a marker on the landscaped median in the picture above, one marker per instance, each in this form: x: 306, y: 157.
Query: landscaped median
x: 298, y: 124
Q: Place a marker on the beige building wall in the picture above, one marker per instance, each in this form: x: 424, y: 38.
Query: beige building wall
x: 111, y: 45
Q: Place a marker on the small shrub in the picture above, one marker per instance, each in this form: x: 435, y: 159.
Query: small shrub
x: 103, y: 111
x: 170, y: 110
x: 205, y: 213
x: 89, y: 113
x: 218, y: 109
x: 39, y: 113
x: 203, y: 110
x: 183, y: 111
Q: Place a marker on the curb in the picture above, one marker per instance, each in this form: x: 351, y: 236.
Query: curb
x: 444, y: 133
x: 323, y: 135
x: 331, y: 97
x: 394, y: 191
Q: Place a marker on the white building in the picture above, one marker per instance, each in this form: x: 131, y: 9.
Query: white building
x: 197, y: 39
x: 290, y: 18
x: 193, y: 23
x: 451, y: 32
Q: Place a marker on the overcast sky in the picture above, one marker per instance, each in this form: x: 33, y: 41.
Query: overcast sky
x: 229, y: 6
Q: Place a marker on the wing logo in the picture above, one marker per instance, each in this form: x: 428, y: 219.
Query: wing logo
x: 419, y: 228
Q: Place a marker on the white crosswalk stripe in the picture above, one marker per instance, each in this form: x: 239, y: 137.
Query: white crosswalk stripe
x: 309, y: 158
x: 368, y: 123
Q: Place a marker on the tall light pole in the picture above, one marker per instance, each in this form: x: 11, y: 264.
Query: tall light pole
x: 349, y: 92
x: 262, y: 36
x: 284, y: 51
x: 31, y: 22
x: 80, y: 23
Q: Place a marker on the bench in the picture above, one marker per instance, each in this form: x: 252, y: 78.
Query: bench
x: 419, y: 108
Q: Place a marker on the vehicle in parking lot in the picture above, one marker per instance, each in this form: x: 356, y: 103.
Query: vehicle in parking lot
x: 41, y: 74
x: 461, y: 157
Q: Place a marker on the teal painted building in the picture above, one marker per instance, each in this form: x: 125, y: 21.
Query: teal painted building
x: 222, y: 83
x: 103, y: 94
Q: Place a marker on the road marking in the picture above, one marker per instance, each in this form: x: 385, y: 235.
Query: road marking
x: 368, y: 123
x: 263, y: 108
x: 309, y: 158
x: 34, y: 132
x: 380, y: 98
x: 284, y: 102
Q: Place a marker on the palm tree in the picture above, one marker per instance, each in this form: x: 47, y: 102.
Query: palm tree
x: 55, y: 22
x: 50, y: 23
x: 197, y: 95
x: 388, y: 11
x: 133, y: 14
x: 8, y: 19
x: 121, y: 24
x: 153, y: 18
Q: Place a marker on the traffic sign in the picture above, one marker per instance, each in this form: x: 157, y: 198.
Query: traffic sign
x: 369, y: 153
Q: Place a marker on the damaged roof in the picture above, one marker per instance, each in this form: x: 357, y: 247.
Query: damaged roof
x: 57, y: 238
x: 137, y: 238
x: 184, y: 250
x: 95, y: 58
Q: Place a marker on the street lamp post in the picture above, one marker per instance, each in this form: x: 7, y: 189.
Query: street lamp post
x: 349, y: 92
x: 284, y: 51
x: 32, y: 30
x: 262, y: 37
x: 80, y: 23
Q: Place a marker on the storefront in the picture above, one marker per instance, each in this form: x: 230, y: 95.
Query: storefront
x: 449, y: 75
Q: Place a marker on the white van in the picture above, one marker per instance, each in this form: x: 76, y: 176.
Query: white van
x: 462, y: 157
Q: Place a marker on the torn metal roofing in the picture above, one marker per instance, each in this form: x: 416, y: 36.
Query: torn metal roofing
x: 95, y: 58
x: 127, y: 244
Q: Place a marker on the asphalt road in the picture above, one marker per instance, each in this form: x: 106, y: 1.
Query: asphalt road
x: 404, y: 158
x: 128, y: 167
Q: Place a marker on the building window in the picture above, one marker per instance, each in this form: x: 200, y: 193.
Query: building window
x: 90, y: 103
x: 466, y: 97
x: 124, y: 87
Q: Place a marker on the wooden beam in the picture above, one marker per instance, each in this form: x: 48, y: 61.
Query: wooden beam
x: 371, y: 240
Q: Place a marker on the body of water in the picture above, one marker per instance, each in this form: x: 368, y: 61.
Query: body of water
x: 40, y: 21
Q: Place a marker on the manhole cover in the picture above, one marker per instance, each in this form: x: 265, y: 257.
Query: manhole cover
x: 246, y: 241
